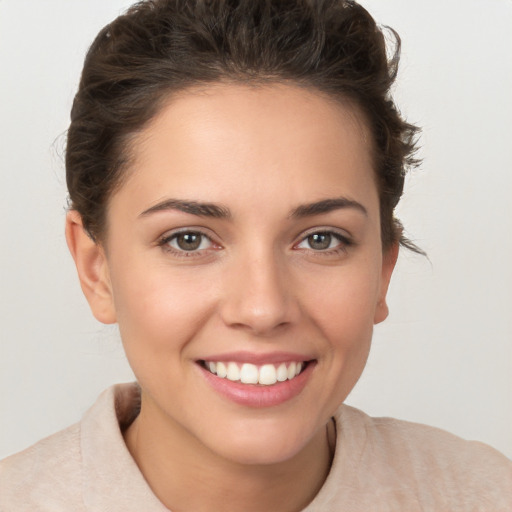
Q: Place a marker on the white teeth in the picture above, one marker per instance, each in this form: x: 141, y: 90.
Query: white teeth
x: 282, y: 373
x: 221, y: 370
x: 233, y: 372
x: 291, y: 371
x: 249, y: 374
x: 265, y: 375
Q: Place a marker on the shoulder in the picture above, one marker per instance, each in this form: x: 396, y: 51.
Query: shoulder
x: 423, y: 444
x: 35, y: 476
x: 433, y: 465
x: 51, y: 474
x: 86, y: 466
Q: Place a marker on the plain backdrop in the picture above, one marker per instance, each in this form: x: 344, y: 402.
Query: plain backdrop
x: 444, y: 356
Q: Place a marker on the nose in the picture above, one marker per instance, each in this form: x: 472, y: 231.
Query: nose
x: 258, y: 295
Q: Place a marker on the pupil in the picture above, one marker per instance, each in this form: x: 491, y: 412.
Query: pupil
x: 189, y: 241
x: 319, y: 241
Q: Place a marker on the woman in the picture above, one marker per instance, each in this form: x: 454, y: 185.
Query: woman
x: 233, y: 170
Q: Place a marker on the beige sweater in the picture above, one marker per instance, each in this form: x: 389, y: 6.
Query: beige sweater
x: 380, y: 464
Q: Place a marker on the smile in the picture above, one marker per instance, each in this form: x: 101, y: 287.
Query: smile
x: 248, y: 373
x: 260, y: 383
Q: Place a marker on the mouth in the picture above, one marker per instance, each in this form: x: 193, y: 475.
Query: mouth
x: 267, y: 374
x: 257, y: 380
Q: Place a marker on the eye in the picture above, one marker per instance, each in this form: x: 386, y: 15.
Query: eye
x: 187, y: 241
x: 319, y: 241
x: 324, y: 241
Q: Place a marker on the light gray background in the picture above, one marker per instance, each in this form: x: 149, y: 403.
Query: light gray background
x: 444, y: 357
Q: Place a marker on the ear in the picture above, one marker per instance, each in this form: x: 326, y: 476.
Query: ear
x: 92, y: 267
x: 389, y: 258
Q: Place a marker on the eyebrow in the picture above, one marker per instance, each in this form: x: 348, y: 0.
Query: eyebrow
x: 217, y: 211
x: 193, y: 207
x: 326, y: 206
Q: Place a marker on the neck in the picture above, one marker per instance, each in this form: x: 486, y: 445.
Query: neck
x: 185, y: 475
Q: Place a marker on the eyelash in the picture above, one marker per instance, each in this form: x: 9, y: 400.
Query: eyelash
x: 344, y: 243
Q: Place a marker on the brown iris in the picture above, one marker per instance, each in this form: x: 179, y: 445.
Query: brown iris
x: 189, y: 241
x: 320, y: 241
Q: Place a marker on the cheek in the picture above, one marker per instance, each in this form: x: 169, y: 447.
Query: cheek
x: 157, y: 309
x: 342, y: 302
x: 342, y: 308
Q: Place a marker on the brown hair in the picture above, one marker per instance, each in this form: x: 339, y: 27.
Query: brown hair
x: 163, y: 46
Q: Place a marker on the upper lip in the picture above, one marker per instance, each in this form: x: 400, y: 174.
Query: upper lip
x: 258, y: 359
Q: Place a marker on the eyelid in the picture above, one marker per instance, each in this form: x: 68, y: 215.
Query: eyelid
x: 169, y: 233
x: 337, y: 232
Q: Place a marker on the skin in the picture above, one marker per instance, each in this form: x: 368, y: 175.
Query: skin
x: 255, y: 284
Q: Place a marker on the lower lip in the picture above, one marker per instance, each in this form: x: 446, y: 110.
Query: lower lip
x: 254, y: 395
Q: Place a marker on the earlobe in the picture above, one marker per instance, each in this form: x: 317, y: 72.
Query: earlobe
x: 92, y: 268
x: 390, y: 257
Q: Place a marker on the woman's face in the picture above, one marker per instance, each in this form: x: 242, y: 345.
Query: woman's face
x: 246, y: 239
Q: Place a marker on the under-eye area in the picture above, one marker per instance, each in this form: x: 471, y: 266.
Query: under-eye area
x: 248, y: 373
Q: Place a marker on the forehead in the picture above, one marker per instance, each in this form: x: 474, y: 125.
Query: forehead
x: 239, y: 141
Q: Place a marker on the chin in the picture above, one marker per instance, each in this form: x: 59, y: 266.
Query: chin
x: 257, y: 455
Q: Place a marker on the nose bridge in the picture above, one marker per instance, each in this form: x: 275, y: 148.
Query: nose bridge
x: 257, y: 294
